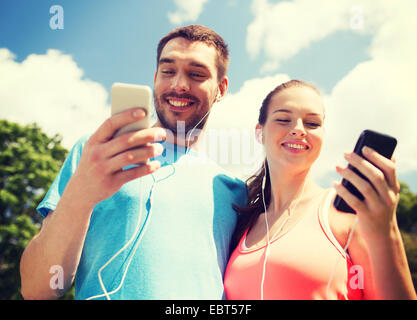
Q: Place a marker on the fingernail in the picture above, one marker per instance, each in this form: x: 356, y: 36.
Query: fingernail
x: 365, y: 149
x: 160, y: 135
x: 137, y: 113
x: 155, y: 165
x: 158, y: 149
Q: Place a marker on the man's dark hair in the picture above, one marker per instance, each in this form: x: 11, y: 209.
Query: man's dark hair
x: 202, y: 34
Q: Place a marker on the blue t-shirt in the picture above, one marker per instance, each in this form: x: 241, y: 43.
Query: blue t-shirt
x: 184, y: 248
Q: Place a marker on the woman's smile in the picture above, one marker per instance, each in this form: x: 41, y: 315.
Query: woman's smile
x: 295, y: 146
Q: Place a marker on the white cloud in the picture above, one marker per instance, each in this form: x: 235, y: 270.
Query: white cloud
x: 49, y: 89
x: 377, y: 94
x: 232, y: 122
x: 380, y: 93
x: 281, y: 30
x: 187, y: 11
x: 374, y: 95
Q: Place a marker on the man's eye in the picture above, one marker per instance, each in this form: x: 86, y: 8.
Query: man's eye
x: 197, y: 75
x: 283, y: 120
x: 167, y: 72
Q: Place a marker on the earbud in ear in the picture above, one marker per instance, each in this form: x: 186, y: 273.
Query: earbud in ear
x: 218, y: 95
x: 259, y: 135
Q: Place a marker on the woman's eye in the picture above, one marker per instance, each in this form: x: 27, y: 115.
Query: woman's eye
x: 313, y: 124
x: 283, y: 120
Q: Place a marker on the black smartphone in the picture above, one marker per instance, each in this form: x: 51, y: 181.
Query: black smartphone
x: 381, y: 143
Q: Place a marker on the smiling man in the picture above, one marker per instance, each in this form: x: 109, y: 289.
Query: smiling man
x: 190, y: 77
x: 159, y: 230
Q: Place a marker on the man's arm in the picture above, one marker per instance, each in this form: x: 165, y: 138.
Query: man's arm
x: 98, y: 176
x: 59, y: 243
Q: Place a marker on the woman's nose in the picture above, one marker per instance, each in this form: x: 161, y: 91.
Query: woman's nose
x: 298, y: 129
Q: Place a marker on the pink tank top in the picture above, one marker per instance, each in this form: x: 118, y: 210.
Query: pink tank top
x: 300, y: 264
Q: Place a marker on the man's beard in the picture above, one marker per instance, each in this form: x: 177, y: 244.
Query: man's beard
x: 195, y: 121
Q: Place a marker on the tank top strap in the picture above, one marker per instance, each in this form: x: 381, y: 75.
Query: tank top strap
x: 242, y: 242
x: 323, y: 217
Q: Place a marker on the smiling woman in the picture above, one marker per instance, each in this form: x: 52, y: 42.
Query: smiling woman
x: 280, y: 118
x: 291, y: 243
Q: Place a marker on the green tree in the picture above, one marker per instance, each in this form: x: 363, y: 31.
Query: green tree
x: 407, y: 221
x: 410, y: 244
x: 29, y: 162
x: 407, y: 209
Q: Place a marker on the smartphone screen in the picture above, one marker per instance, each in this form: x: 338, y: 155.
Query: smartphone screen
x: 381, y: 143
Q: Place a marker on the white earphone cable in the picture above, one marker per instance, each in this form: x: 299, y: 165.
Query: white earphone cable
x: 267, y: 235
x: 146, y: 223
x: 268, y: 245
x: 107, y: 294
x: 338, y: 259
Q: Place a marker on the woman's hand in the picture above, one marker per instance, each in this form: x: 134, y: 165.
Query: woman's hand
x: 383, y: 254
x: 377, y: 212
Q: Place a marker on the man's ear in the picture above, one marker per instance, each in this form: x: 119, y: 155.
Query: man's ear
x: 222, y: 89
x: 259, y: 134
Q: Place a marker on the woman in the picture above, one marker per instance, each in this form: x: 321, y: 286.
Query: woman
x: 290, y: 241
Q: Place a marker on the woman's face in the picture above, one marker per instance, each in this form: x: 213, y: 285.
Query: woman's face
x: 293, y: 131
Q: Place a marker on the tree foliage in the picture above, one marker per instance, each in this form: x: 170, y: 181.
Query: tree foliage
x: 29, y: 162
x: 407, y: 221
x: 407, y: 209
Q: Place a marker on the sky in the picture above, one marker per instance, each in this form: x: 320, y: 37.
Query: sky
x: 58, y: 60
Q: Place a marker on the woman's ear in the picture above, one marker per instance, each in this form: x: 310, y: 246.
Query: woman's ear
x: 259, y: 134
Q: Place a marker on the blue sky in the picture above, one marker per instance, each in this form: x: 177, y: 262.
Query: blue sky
x: 356, y: 52
x: 112, y: 41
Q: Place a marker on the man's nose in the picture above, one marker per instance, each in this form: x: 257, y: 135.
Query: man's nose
x: 180, y: 83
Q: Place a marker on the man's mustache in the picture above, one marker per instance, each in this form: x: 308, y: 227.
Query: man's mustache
x: 165, y: 96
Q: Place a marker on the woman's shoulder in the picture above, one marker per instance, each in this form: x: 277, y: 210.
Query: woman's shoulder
x: 340, y: 223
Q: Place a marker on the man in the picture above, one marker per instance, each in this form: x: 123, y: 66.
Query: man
x: 163, y: 236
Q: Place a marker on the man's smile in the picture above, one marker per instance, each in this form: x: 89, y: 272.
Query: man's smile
x: 179, y: 103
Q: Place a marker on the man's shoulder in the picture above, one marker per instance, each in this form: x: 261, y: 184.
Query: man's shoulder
x: 230, y: 180
x: 80, y: 143
x: 231, y: 185
x: 220, y: 172
x: 78, y: 147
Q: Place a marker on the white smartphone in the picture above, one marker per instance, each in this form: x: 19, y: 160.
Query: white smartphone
x: 126, y: 96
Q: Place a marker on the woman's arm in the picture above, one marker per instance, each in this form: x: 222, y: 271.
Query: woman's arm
x: 377, y: 244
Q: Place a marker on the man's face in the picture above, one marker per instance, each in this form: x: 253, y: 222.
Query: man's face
x: 185, y: 84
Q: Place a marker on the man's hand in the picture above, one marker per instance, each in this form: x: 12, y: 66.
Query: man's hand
x: 100, y: 172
